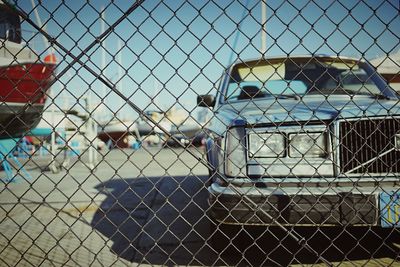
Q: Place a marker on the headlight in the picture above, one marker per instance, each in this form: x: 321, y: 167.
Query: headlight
x: 235, y: 157
x: 266, y: 145
x: 312, y: 145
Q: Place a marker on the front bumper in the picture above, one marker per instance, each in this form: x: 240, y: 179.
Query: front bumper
x: 300, y: 206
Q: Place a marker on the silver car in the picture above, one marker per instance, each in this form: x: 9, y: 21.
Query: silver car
x: 306, y: 140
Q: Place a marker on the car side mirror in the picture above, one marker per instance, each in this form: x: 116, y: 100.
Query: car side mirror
x: 207, y: 101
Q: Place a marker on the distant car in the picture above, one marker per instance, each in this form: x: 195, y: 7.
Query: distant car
x: 305, y: 140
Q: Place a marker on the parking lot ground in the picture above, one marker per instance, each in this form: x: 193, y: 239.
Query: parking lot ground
x: 149, y: 207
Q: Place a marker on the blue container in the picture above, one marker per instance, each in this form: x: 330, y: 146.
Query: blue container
x: 136, y: 145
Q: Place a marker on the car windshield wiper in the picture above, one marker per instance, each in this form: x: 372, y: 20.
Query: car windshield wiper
x: 261, y: 96
x: 296, y: 97
x: 375, y: 96
x: 379, y: 96
x: 372, y: 95
x: 348, y: 92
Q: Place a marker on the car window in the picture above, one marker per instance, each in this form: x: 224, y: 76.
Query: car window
x: 299, y: 77
x: 261, y: 72
x: 349, y: 82
x: 256, y: 89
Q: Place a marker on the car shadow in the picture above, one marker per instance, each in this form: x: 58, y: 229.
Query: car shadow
x: 163, y: 220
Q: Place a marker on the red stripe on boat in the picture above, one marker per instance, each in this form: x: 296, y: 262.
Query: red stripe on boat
x: 25, y: 83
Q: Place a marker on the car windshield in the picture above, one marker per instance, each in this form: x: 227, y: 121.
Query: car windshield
x: 294, y: 78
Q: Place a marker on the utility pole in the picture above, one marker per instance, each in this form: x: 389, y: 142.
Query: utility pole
x: 53, y: 166
x: 120, y: 78
x: 263, y: 26
x: 91, y: 134
x: 103, y: 52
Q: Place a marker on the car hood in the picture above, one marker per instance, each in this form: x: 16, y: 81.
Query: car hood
x: 309, y: 108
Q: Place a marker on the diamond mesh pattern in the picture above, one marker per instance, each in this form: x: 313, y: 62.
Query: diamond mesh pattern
x: 290, y: 157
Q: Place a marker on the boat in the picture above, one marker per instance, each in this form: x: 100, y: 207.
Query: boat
x: 119, y: 133
x: 24, y: 78
x: 176, y: 122
x: 190, y: 130
x: 188, y: 133
x: 161, y: 118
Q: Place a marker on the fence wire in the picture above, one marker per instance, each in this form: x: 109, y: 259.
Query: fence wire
x: 262, y: 133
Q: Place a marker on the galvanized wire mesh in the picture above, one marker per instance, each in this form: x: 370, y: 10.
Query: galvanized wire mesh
x: 289, y: 156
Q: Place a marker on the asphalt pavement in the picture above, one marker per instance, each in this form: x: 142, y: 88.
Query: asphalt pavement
x: 149, y: 207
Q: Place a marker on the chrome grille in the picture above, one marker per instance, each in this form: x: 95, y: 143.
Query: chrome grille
x: 366, y: 141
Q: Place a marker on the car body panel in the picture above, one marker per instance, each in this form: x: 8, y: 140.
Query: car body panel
x: 310, y: 108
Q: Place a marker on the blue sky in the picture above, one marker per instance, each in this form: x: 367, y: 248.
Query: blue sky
x: 173, y: 50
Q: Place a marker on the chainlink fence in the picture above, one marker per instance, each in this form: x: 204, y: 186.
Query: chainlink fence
x: 254, y: 132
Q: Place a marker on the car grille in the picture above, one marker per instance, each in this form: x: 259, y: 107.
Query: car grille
x: 366, y: 139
